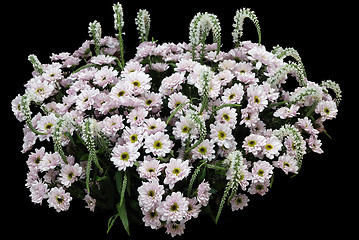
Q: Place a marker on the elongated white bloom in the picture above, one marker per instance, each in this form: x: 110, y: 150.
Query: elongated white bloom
x: 143, y: 22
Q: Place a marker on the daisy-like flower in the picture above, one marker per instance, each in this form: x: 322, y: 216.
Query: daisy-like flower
x: 52, y: 72
x: 38, y: 191
x: 174, y: 208
x: 106, y: 75
x: 233, y: 95
x: 184, y: 129
x: 151, y: 219
x: 46, y: 125
x: 203, y: 193
x: 315, y: 144
x: 172, y: 83
x: 141, y: 82
x: 124, y: 156
x: 239, y: 202
x: 306, y: 125
x: 176, y: 170
x: 150, y: 168
x: 287, y: 163
x: 159, y: 144
x: 121, y: 93
x: 86, y: 99
x: 150, y: 194
x: 110, y: 125
x: 102, y: 59
x: 35, y: 158
x: 272, y: 147
x: 254, y: 143
x: 193, y: 208
x: 224, y: 77
x: 260, y: 188
x: 69, y: 174
x: 133, y: 136
x: 257, y: 98
x: 228, y: 116
x: 177, y: 99
x: 153, y: 125
x: 327, y: 109
x: 153, y: 101
x: 39, y: 89
x: 285, y: 112
x: 59, y: 199
x: 137, y: 116
x: 261, y: 171
x: 205, y: 150
x: 91, y: 202
x: 49, y: 161
x: 175, y: 228
x: 250, y: 117
x: 222, y: 135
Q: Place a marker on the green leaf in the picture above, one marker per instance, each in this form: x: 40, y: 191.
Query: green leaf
x: 110, y: 222
x: 122, y: 213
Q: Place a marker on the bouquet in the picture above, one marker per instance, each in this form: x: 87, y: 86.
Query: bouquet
x: 177, y: 131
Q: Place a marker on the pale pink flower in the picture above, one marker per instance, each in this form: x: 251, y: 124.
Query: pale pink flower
x: 239, y: 201
x: 272, y: 147
x: 194, y: 208
x: 261, y: 171
x: 46, y: 125
x: 124, y: 156
x: 177, y: 99
x: 137, y: 116
x: 285, y: 112
x: 159, y: 144
x: 222, y: 135
x: 121, y: 92
x: 110, y: 125
x: 250, y: 117
x: 203, y: 193
x: 175, y: 228
x: 306, y: 125
x: 287, y: 163
x: 153, y: 125
x: 205, y: 150
x: 133, y: 136
x: 102, y: 59
x: 69, y: 174
x: 150, y: 168
x: 35, y: 158
x: 183, y: 129
x: 141, y: 82
x: 106, y: 75
x: 151, y: 219
x: 49, y: 161
x: 315, y: 144
x: 176, y: 170
x: 233, y: 95
x: 149, y: 195
x: 253, y: 143
x: 174, y: 208
x: 38, y: 191
x: 327, y: 109
x: 59, y: 199
x: 91, y: 202
x: 260, y: 188
x: 223, y: 77
x: 227, y: 116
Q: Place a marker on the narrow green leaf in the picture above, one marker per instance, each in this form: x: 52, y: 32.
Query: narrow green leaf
x: 122, y: 212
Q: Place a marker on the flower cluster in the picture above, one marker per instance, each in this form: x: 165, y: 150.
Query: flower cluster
x: 174, y: 129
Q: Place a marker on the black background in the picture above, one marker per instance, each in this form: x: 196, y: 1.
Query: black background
x: 317, y: 203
